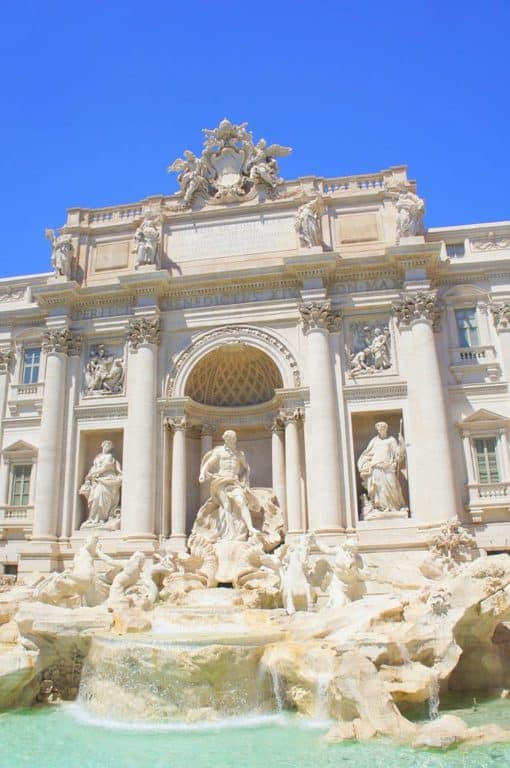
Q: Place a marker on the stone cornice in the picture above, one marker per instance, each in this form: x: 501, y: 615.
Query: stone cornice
x: 55, y: 292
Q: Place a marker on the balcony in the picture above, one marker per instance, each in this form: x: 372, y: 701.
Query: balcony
x: 485, y: 498
x: 474, y: 365
x: 25, y: 399
x: 18, y: 519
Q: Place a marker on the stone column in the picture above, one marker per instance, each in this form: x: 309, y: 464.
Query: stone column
x: 292, y: 418
x: 179, y: 484
x: 278, y: 464
x: 58, y: 344
x: 431, y: 478
x: 73, y: 386
x: 322, y: 450
x: 206, y: 444
x: 6, y: 360
x: 138, y: 486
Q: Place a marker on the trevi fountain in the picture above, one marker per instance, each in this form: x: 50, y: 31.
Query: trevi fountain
x: 254, y: 479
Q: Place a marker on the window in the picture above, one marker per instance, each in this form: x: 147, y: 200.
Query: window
x: 20, y: 487
x: 455, y: 250
x: 31, y: 362
x: 486, y: 461
x: 467, y: 327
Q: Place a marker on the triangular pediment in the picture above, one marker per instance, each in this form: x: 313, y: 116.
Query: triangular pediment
x: 19, y: 448
x: 484, y: 419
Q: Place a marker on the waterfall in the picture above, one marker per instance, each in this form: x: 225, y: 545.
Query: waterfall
x: 277, y: 689
x: 322, y: 695
x: 433, y: 697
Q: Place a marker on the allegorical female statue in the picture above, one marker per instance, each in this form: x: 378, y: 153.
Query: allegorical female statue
x: 379, y: 467
x: 101, y: 489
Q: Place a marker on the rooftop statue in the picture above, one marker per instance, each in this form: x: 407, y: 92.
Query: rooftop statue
x: 61, y: 252
x: 147, y: 241
x: 231, y: 167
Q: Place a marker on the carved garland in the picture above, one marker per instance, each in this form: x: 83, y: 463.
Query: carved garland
x: 232, y: 333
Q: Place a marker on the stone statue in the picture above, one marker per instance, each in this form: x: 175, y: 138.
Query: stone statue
x: 104, y: 374
x: 78, y: 585
x: 263, y: 167
x: 226, y: 519
x: 230, y: 168
x: 147, y: 241
x: 296, y: 575
x: 450, y: 548
x: 370, y: 352
x: 410, y: 209
x: 379, y: 467
x: 131, y: 588
x: 343, y: 582
x: 101, y: 489
x: 193, y: 176
x: 308, y: 223
x: 61, y: 252
x: 229, y: 475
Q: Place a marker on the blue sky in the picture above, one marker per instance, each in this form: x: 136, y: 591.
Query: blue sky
x: 99, y: 97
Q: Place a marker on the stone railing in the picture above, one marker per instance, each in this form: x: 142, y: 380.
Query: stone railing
x: 350, y: 184
x: 27, y: 391
x: 115, y: 215
x: 490, y: 491
x: 480, y: 362
x: 16, y: 518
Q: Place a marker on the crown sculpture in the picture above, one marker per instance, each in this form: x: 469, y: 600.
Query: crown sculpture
x: 232, y: 167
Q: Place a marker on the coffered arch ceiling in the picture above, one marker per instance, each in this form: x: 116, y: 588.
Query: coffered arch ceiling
x: 234, y: 375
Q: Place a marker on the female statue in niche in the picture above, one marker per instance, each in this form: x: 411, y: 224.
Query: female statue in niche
x: 379, y: 466
x: 101, y: 489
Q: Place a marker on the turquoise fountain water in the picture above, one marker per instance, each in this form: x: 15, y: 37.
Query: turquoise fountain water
x: 67, y: 737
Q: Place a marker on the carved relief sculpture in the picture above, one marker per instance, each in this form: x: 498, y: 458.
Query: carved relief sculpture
x: 230, y: 168
x: 379, y: 466
x: 370, y: 349
x: 308, y: 223
x: 104, y: 373
x: 227, y: 517
x: 61, y: 252
x: 101, y: 490
x: 147, y: 238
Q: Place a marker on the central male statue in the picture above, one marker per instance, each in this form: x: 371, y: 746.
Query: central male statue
x: 225, y: 521
x: 227, y: 469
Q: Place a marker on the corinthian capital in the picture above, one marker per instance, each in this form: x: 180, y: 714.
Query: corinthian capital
x: 6, y: 358
x: 417, y: 306
x: 287, y: 415
x: 319, y: 315
x: 178, y: 424
x: 61, y: 340
x: 143, y: 330
x: 501, y: 313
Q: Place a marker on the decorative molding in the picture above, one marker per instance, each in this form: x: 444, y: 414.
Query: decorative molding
x: 109, y: 306
x: 233, y: 335
x: 104, y: 412
x: 61, y: 340
x: 7, y: 357
x: 12, y: 294
x: 417, y: 306
x: 316, y: 315
x: 490, y: 243
x: 143, y: 330
x: 381, y: 392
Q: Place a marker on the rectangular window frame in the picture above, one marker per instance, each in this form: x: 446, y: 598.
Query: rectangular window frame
x: 468, y: 334
x: 31, y: 368
x: 21, y: 498
x: 455, y: 250
x: 486, y: 459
